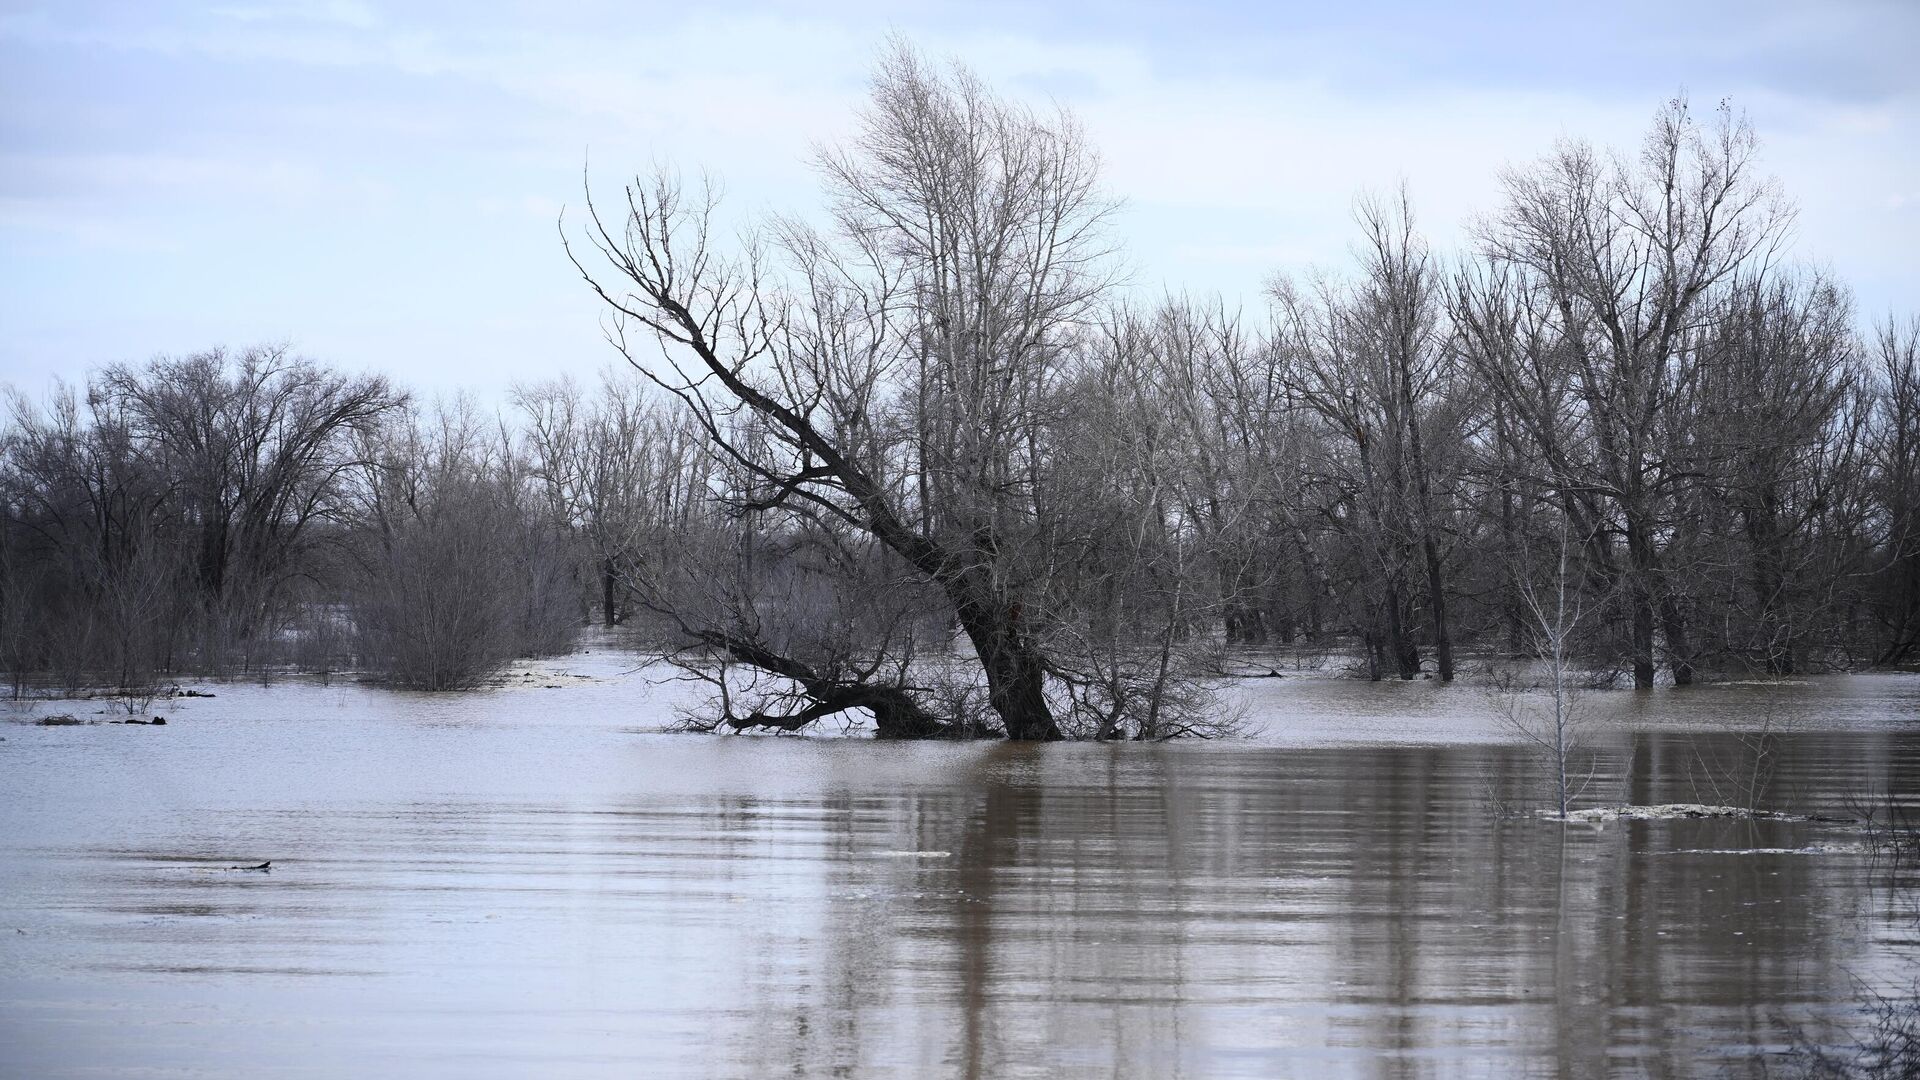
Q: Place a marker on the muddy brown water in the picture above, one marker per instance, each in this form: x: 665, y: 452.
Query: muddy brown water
x: 534, y: 881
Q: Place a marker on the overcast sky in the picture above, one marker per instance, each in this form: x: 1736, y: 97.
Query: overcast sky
x: 378, y: 182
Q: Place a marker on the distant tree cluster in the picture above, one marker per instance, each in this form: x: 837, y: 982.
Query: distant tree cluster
x: 175, y: 516
x: 922, y: 461
x: 227, y: 513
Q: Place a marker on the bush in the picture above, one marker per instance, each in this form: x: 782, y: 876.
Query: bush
x: 459, y: 578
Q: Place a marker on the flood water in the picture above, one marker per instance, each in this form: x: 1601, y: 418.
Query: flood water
x: 536, y: 881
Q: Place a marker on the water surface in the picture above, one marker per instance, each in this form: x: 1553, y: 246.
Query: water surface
x: 535, y: 881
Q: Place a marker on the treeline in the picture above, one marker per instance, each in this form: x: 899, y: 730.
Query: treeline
x: 256, y: 511
x: 933, y: 415
x: 924, y: 461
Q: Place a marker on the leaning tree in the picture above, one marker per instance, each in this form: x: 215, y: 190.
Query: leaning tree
x: 888, y: 377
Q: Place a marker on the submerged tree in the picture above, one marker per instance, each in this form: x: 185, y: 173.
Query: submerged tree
x: 176, y: 515
x: 1544, y: 709
x: 1368, y: 361
x: 899, y: 373
x: 1779, y: 427
x: 614, y: 475
x: 254, y: 446
x: 1616, y: 265
x: 455, y: 571
x: 1894, y: 475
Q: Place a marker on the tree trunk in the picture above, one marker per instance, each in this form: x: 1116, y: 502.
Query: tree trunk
x: 1016, y: 671
x: 1406, y: 654
x: 1509, y: 544
x: 607, y: 612
x: 1510, y: 602
x: 1423, y: 490
x: 1442, y: 638
x: 1768, y: 583
x: 1642, y: 638
x: 1645, y: 581
x: 1673, y: 623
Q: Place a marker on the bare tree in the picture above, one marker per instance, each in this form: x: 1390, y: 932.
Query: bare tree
x: 608, y: 468
x: 254, y: 446
x: 1895, y: 477
x: 1369, y: 360
x: 1617, y: 263
x: 455, y: 572
x: 1780, y: 427
x: 1141, y: 514
x: 1400, y: 302
x: 899, y: 373
x: 1551, y: 723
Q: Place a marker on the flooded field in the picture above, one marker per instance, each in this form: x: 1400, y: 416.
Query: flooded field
x: 535, y: 880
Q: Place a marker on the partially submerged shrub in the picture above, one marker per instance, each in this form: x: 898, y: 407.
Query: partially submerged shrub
x: 461, y: 577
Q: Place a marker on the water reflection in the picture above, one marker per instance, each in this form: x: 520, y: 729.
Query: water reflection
x: 682, y: 906
x: 1164, y: 912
